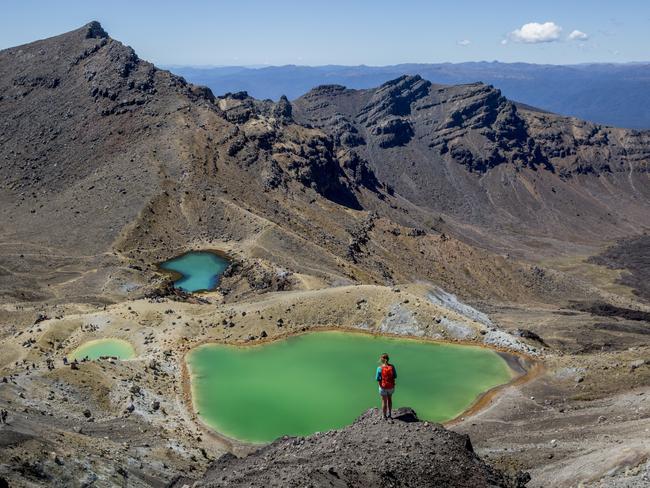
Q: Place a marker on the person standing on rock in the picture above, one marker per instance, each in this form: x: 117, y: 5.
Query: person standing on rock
x: 386, y: 376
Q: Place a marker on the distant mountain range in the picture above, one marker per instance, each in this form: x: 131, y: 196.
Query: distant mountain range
x: 611, y: 94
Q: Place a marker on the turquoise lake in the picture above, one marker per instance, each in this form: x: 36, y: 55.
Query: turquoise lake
x: 324, y: 380
x: 198, y: 270
x: 104, y: 348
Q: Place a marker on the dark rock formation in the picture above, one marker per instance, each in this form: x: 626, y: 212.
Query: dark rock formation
x: 603, y: 309
x: 529, y: 334
x: 369, y: 453
x: 632, y: 255
x: 282, y: 110
x: 393, y: 132
x: 95, y: 30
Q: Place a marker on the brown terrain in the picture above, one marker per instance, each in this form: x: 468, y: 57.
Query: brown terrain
x: 442, y: 212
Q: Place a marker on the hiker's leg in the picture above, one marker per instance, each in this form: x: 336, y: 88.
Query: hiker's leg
x: 384, y: 405
x: 389, y: 402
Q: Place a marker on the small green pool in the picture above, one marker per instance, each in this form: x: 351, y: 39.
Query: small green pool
x: 324, y: 380
x: 198, y: 270
x: 104, y: 347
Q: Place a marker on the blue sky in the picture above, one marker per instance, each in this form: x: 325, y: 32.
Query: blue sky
x: 379, y: 32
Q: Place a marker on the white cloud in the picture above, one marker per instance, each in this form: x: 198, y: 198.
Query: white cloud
x: 534, y: 32
x: 464, y: 42
x: 577, y: 35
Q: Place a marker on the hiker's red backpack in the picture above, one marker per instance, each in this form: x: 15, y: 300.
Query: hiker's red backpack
x: 387, y: 377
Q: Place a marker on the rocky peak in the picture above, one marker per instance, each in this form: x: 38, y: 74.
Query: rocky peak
x: 325, y: 90
x: 478, y: 112
x: 404, y: 82
x: 238, y: 107
x: 394, y: 98
x: 94, y: 30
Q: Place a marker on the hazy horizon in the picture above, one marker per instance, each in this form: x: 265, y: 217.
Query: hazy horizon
x: 496, y: 61
x: 288, y: 32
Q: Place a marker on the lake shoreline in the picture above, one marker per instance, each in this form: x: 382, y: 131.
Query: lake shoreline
x: 521, y: 367
x: 176, y: 276
x: 127, y: 346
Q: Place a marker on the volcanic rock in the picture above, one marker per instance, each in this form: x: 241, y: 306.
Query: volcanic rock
x: 369, y: 453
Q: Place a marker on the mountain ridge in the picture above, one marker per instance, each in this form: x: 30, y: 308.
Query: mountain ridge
x: 605, y: 93
x: 549, y: 158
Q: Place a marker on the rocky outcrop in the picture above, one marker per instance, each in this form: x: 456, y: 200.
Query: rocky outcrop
x: 394, y: 98
x: 95, y: 30
x: 369, y: 453
x: 359, y: 237
x: 282, y: 110
x: 603, y: 309
x: 358, y: 170
x: 393, y: 132
x: 309, y: 158
x: 266, y: 135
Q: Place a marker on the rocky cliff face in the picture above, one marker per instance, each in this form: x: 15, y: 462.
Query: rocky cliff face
x: 473, y: 125
x: 266, y: 136
x: 369, y: 453
x: 469, y: 153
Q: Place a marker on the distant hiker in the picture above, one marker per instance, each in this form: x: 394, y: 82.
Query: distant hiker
x: 3, y: 416
x: 65, y: 361
x: 74, y: 364
x: 386, y: 376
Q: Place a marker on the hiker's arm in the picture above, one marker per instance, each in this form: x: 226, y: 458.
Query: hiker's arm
x: 378, y: 375
x: 394, y: 372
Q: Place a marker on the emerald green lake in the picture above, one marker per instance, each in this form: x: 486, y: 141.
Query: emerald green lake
x: 324, y: 380
x: 104, y: 347
x: 199, y: 270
